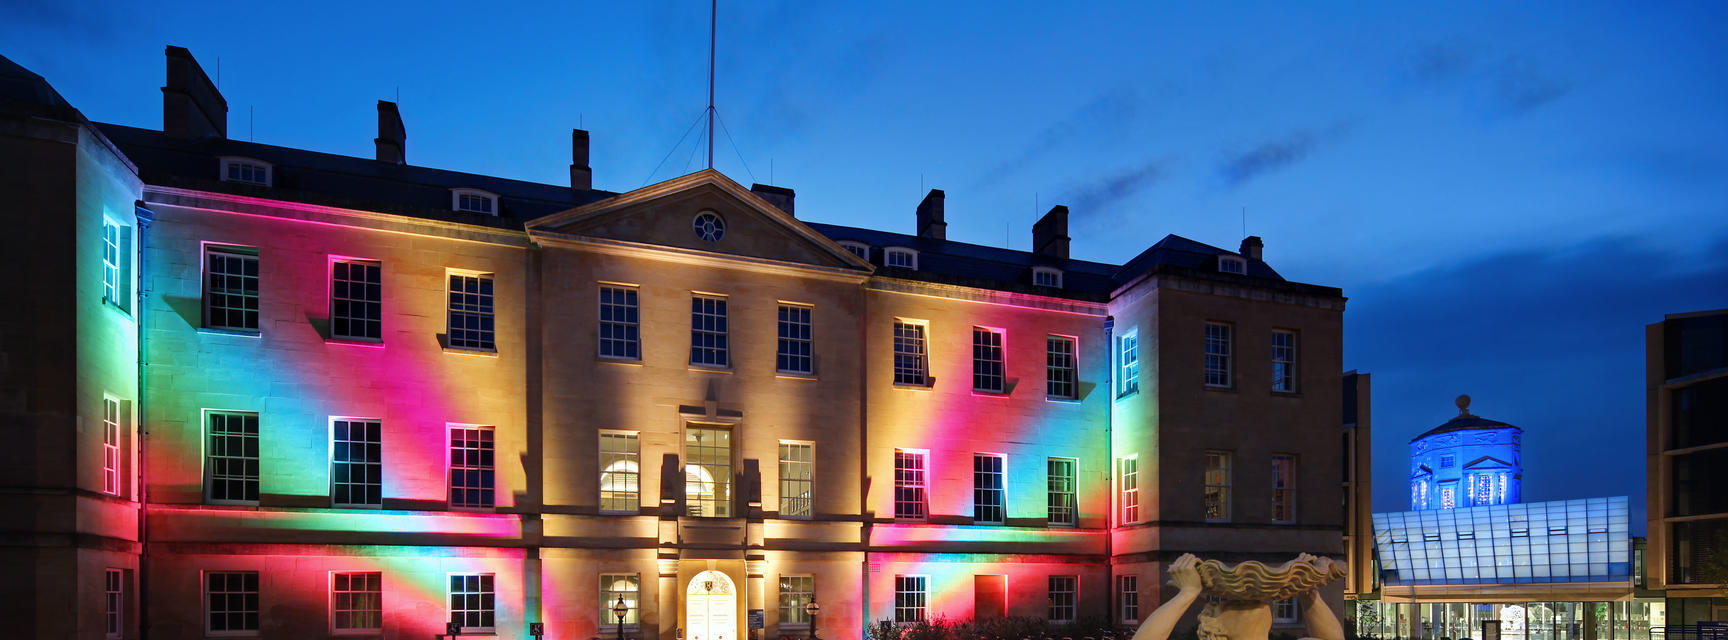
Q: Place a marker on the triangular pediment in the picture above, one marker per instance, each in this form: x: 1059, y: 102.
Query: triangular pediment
x: 1488, y: 462
x: 666, y: 216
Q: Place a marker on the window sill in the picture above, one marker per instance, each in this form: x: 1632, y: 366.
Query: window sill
x: 1127, y: 395
x: 1217, y: 387
x: 711, y: 369
x: 239, y: 333
x: 363, y: 507
x: 117, y: 308
x: 469, y: 351
x: 1210, y: 521
x: 987, y: 393
x: 793, y: 375
x: 927, y: 386
x: 628, y: 362
x: 462, y: 509
x: 356, y: 342
x: 1286, y: 394
x: 1061, y: 400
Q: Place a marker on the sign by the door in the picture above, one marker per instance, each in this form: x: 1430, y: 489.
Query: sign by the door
x: 757, y: 620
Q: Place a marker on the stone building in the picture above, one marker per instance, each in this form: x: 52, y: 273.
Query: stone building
x: 263, y: 391
x: 1686, y: 391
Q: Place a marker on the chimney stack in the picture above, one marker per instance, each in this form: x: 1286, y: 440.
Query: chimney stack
x: 932, y: 222
x: 778, y: 196
x: 1050, y: 234
x: 581, y: 177
x: 192, y: 107
x: 392, y: 137
x: 1251, y: 247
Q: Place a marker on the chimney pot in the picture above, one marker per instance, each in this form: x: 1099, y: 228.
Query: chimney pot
x: 1050, y: 234
x: 1251, y: 247
x: 192, y: 106
x: 581, y: 177
x: 392, y: 140
x: 932, y: 220
x: 781, y: 197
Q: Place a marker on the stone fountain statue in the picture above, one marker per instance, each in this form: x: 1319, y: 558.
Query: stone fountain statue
x: 1242, y: 609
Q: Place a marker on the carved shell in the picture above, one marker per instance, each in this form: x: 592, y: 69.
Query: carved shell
x: 1254, y: 581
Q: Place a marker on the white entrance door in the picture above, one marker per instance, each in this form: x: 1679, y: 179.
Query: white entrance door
x: 710, y: 607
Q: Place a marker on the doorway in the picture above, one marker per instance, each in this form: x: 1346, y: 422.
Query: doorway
x: 711, y: 607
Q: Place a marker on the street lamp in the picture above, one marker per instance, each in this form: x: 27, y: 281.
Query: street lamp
x: 811, y: 610
x: 619, y: 609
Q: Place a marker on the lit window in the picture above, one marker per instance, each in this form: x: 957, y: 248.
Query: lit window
x: 473, y: 602
x: 903, y: 258
x: 1128, y: 587
x: 797, y: 476
x: 1285, y: 611
x: 474, y: 201
x: 620, y: 472
x: 231, y: 288
x: 1130, y: 350
x: 620, y: 323
x: 356, y: 300
x: 616, y: 586
x: 910, y: 598
x: 708, y: 474
x: 357, y: 601
x: 910, y: 363
x: 231, y: 462
x: 1217, y: 355
x: 795, y: 347
x: 910, y: 501
x: 1446, y: 461
x: 1218, y: 486
x: 110, y: 446
x: 1283, y: 361
x: 116, y: 264
x: 1232, y: 264
x: 708, y: 332
x: 1130, y: 484
x: 988, y: 370
x: 795, y: 593
x: 356, y: 463
x: 1448, y: 495
x: 1061, y: 370
x: 1062, y: 490
x: 114, y: 602
x: 231, y: 602
x: 1283, y: 488
x: 471, y: 467
x: 989, y: 505
x: 1047, y: 277
x: 1064, y: 597
x: 246, y: 170
x: 471, y: 311
x: 857, y: 248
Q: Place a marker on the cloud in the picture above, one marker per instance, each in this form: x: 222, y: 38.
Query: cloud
x: 1093, y: 201
x: 1499, y: 85
x: 1105, y: 114
x: 1275, y: 154
x: 1549, y: 339
x: 1519, y: 86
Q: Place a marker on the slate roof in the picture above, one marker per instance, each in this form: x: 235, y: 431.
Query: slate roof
x: 334, y: 180
x: 24, y: 92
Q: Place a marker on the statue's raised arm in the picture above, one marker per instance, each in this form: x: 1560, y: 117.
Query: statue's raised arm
x: 1242, y: 609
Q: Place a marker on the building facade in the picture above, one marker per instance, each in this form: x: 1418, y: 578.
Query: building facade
x: 280, y: 393
x: 1686, y: 392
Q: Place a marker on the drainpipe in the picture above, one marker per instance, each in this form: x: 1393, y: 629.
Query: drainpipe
x: 145, y: 217
x: 1110, y: 469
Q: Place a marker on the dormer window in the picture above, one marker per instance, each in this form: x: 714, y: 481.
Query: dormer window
x: 474, y: 201
x: 247, y: 170
x: 857, y: 248
x: 900, y: 257
x: 1046, y: 277
x: 1232, y: 264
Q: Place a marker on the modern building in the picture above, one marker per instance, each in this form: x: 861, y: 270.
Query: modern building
x: 1470, y: 551
x: 264, y: 391
x: 1686, y: 392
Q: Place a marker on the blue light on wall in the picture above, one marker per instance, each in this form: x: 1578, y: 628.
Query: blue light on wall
x: 1468, y: 462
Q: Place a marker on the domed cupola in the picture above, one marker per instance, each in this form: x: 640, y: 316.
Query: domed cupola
x: 1469, y: 461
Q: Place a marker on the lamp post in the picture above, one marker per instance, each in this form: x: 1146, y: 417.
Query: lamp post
x: 812, y: 609
x: 619, y: 609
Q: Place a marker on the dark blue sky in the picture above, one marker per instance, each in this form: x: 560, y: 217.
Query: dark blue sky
x: 1507, y: 193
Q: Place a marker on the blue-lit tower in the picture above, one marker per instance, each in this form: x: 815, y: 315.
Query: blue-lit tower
x: 1468, y: 462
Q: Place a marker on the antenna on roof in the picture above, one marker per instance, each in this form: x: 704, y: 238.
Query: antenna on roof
x: 251, y: 123
x: 1244, y: 221
x: 713, y: 19
x: 218, y: 73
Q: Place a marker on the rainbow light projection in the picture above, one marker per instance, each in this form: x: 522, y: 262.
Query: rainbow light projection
x: 298, y: 381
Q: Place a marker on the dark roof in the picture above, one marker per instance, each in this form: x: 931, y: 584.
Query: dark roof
x: 21, y: 90
x: 1465, y: 423
x: 340, y: 181
x: 973, y: 264
x: 1181, y: 252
